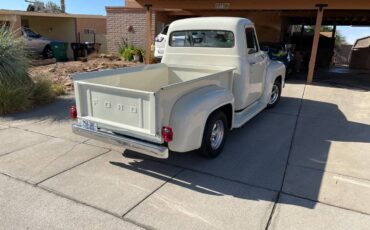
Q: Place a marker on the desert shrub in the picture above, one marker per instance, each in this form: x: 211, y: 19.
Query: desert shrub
x: 123, y: 45
x: 14, y: 99
x: 13, y: 61
x: 42, y: 91
x: 15, y: 84
x: 59, y: 89
x: 17, y: 90
x: 142, y: 52
x: 128, y: 54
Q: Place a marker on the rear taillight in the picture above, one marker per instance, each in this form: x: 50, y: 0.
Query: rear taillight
x: 73, y: 112
x: 167, y: 134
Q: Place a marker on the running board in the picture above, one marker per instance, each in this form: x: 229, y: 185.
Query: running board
x: 240, y: 118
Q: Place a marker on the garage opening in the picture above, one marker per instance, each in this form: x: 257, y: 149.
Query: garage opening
x: 343, y: 51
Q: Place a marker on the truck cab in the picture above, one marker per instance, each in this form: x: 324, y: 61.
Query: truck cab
x: 222, y: 42
x: 213, y: 78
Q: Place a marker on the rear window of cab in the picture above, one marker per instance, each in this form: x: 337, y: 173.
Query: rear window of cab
x: 202, y: 38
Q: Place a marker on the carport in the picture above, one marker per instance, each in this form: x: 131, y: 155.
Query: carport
x: 56, y: 28
x: 272, y: 18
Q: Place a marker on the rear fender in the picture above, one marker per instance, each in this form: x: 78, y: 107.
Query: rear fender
x: 190, y: 113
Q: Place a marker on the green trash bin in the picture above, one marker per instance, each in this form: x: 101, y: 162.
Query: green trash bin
x: 59, y: 50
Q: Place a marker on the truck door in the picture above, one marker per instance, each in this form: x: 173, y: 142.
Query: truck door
x: 257, y: 61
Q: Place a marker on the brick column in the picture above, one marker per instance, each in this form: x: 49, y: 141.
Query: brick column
x: 120, y: 19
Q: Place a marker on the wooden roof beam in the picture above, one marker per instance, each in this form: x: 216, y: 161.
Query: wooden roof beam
x: 253, y: 5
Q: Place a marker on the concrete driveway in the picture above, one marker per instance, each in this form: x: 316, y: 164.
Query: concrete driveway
x: 302, y: 165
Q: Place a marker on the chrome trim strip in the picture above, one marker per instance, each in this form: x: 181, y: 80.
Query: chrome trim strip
x: 153, y: 150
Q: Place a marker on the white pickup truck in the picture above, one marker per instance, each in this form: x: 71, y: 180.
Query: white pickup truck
x: 213, y: 78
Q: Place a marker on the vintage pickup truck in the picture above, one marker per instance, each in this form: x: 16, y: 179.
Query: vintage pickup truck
x: 213, y: 78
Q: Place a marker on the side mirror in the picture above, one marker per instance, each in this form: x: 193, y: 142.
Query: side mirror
x: 252, y: 51
x: 265, y: 49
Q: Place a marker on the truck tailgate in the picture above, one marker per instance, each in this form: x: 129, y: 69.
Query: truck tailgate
x: 118, y: 108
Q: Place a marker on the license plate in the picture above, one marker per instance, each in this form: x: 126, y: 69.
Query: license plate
x: 89, y: 125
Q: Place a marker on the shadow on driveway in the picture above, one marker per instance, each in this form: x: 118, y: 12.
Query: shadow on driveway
x: 257, y: 154
x: 339, y: 77
x: 57, y: 111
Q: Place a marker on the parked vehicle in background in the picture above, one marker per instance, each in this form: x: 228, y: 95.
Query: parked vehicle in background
x: 36, y: 44
x: 160, y: 44
x: 279, y: 52
x: 213, y: 78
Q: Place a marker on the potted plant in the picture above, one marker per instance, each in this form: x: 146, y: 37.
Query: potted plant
x: 128, y: 53
x: 142, y: 53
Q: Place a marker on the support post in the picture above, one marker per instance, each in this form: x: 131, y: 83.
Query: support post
x: 283, y: 29
x: 315, y: 45
x: 334, y: 32
x: 301, y: 37
x: 148, y: 43
x: 63, y: 6
x: 333, y: 37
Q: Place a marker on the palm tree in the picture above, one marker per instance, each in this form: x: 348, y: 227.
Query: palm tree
x: 63, y: 6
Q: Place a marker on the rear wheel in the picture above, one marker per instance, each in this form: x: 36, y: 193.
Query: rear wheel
x: 275, y: 94
x: 214, y: 136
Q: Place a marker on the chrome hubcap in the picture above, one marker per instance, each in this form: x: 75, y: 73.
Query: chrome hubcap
x: 274, y: 94
x: 217, y: 134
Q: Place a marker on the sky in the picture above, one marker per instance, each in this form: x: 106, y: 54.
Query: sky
x: 72, y: 6
x: 351, y: 34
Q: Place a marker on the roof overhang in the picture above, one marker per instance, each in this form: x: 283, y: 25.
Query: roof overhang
x: 254, y: 5
x: 331, y: 17
x: 39, y: 14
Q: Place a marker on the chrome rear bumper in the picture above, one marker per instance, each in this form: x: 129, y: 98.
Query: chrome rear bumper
x: 143, y: 147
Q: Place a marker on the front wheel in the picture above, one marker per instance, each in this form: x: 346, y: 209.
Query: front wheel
x: 275, y: 94
x: 214, y: 136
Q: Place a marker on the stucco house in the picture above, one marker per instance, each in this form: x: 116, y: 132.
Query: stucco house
x: 360, y: 56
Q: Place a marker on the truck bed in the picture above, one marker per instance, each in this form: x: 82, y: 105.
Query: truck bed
x: 137, y: 101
